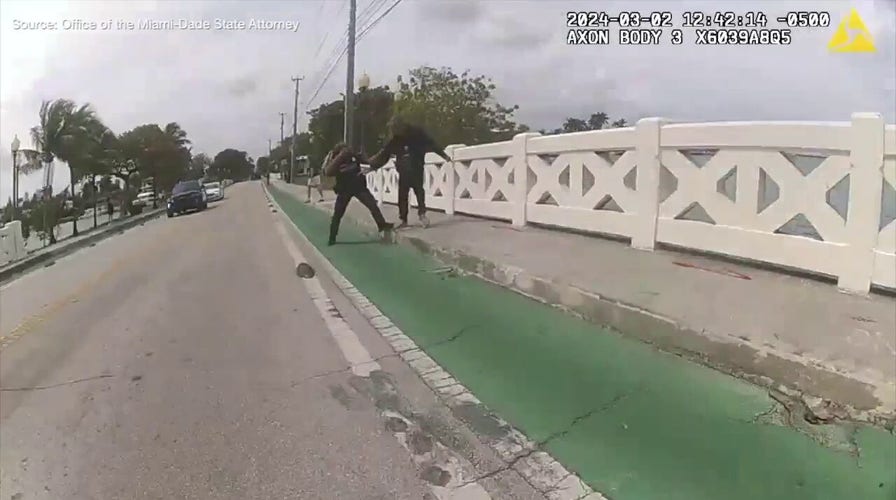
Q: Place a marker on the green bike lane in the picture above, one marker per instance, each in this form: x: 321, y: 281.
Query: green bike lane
x: 632, y: 422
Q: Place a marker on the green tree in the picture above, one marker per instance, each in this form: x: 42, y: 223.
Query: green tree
x: 373, y: 108
x: 119, y: 154
x: 455, y: 108
x: 89, y: 163
x: 231, y: 164
x: 176, y: 156
x: 598, y: 120
x: 263, y: 165
x: 199, y: 164
x: 62, y: 134
x: 106, y: 185
x: 44, y: 215
x: 161, y: 154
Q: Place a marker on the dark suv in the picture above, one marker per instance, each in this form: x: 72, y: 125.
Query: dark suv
x: 187, y: 195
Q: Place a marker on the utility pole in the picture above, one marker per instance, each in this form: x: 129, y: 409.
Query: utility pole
x: 349, y: 128
x: 280, y: 145
x: 295, y: 124
x: 282, y: 114
x: 267, y: 170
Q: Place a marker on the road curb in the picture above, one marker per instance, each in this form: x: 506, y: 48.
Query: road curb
x: 524, y: 456
x: 825, y: 394
x: 20, y: 267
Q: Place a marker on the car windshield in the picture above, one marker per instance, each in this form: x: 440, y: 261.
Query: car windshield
x: 212, y: 185
x: 183, y: 187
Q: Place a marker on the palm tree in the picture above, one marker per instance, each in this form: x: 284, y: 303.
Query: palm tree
x: 620, y: 123
x: 177, y: 135
x: 179, y: 146
x: 62, y: 134
x: 119, y: 154
x: 598, y: 120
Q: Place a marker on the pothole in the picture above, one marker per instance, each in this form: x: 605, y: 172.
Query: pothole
x: 420, y: 443
x: 305, y: 271
x: 395, y: 424
x: 436, y: 475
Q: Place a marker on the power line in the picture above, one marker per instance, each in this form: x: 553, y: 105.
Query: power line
x: 345, y: 49
x: 340, y: 48
x: 377, y: 20
x: 368, y: 12
x: 327, y: 34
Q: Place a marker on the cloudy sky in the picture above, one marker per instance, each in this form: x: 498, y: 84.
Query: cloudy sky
x: 226, y: 87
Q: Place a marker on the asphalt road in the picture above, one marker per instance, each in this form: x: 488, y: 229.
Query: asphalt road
x: 186, y: 359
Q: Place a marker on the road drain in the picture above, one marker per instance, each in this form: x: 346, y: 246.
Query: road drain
x: 305, y: 271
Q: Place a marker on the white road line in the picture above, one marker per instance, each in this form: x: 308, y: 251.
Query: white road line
x: 353, y: 350
x: 541, y: 470
x: 459, y: 487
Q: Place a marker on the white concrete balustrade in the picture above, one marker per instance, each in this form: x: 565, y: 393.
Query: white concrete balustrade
x: 12, y: 245
x: 815, y: 197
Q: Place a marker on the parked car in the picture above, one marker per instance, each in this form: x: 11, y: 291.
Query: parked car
x: 214, y: 190
x: 144, y: 198
x: 186, y: 196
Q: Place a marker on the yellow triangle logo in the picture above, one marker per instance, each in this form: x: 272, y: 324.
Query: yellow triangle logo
x: 852, y: 35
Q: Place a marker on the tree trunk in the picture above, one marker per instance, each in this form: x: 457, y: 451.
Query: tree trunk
x: 94, y: 190
x: 74, y: 209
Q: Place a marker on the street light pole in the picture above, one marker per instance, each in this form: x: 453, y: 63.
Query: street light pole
x: 15, y: 175
x: 348, y: 131
x: 295, y: 124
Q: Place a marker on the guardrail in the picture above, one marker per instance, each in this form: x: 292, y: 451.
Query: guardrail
x: 812, y: 196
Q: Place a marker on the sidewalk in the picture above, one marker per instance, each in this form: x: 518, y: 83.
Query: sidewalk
x: 761, y: 325
x: 633, y: 422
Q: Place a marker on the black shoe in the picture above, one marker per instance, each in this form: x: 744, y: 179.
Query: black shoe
x: 387, y: 227
x: 331, y: 242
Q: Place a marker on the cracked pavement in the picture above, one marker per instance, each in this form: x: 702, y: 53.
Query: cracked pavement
x: 184, y: 359
x: 632, y: 422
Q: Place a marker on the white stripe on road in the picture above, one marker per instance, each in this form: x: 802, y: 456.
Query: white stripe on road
x: 459, y: 488
x: 353, y: 350
x: 540, y: 469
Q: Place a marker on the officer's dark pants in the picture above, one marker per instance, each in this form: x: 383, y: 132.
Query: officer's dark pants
x: 406, y: 182
x: 366, y: 198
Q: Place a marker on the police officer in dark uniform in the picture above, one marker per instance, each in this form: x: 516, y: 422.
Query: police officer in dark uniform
x: 345, y: 166
x: 409, y: 144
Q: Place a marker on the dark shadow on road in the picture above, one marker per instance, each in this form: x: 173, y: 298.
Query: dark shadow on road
x: 191, y: 212
x: 358, y: 242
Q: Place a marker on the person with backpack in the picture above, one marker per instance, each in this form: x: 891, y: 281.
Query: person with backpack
x: 345, y: 166
x: 409, y: 145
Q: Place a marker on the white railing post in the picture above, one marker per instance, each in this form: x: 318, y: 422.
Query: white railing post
x: 379, y: 183
x: 521, y: 176
x: 866, y: 159
x: 647, y: 151
x: 449, y: 186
